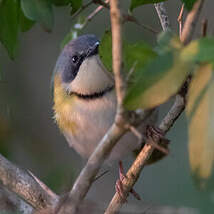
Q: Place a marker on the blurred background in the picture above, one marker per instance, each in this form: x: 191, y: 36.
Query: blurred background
x: 29, y: 137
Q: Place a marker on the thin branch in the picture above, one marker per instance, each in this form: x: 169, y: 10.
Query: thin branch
x: 136, y: 168
x: 23, y: 184
x: 82, y: 9
x: 175, y: 111
x: 163, y: 17
x: 100, y: 2
x: 190, y: 23
x: 131, y: 18
x: 180, y: 19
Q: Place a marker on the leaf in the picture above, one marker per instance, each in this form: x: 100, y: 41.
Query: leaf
x: 105, y: 50
x: 76, y: 5
x: 200, y: 112
x: 157, y: 82
x: 137, y: 3
x: 9, y: 25
x: 137, y: 54
x: 40, y: 11
x: 188, y: 4
x: 201, y: 50
x: 25, y: 23
x: 167, y: 41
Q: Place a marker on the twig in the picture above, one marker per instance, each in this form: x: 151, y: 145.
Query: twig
x: 180, y: 19
x: 23, y: 184
x: 190, y: 23
x: 81, y: 9
x: 93, y: 14
x: 131, y: 18
x: 163, y: 17
x: 175, y: 111
x: 100, y: 2
x: 136, y: 168
x: 204, y: 27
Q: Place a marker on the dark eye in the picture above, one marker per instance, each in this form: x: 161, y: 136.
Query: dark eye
x: 74, y: 58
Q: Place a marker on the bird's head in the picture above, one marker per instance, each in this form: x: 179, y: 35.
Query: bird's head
x: 79, y: 70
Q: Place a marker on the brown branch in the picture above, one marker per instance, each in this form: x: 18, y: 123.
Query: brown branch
x: 131, y: 18
x: 23, y: 184
x: 190, y: 22
x: 136, y: 168
x: 82, y: 9
x: 175, y: 111
x: 116, y: 20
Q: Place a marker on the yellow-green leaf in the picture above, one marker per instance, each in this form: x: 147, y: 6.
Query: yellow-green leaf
x: 200, y: 112
x: 155, y: 84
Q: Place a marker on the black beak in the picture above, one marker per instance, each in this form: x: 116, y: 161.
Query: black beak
x: 93, y: 50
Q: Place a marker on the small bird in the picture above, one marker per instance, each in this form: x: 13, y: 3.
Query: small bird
x: 85, y: 100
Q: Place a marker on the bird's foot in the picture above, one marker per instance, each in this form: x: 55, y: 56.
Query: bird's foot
x: 119, y: 185
x: 155, y: 136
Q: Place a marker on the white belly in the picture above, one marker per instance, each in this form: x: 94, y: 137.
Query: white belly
x: 94, y: 118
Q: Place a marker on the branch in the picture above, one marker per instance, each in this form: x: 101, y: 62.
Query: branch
x: 136, y: 168
x: 116, y: 20
x: 11, y: 203
x: 190, y: 23
x: 175, y: 111
x: 163, y: 17
x: 23, y: 184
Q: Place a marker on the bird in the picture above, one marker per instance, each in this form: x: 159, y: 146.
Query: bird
x: 84, y: 99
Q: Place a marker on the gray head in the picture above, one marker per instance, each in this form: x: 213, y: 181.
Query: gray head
x: 73, y: 55
x: 80, y: 68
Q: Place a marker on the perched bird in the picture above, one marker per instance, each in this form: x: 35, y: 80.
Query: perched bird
x: 85, y: 100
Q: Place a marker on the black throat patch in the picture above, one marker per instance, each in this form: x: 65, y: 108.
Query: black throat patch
x: 94, y: 95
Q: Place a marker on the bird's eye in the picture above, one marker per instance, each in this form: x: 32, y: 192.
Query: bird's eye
x: 74, y: 58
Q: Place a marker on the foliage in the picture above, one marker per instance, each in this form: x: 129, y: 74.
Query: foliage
x: 188, y: 4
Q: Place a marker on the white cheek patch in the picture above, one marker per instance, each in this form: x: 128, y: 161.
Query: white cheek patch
x: 92, y: 77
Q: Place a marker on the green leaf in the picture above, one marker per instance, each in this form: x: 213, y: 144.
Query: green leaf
x: 76, y: 5
x: 157, y: 82
x: 137, y: 3
x: 138, y: 53
x: 25, y: 23
x: 188, y: 3
x: 40, y: 11
x: 201, y: 50
x: 9, y: 25
x: 167, y: 41
x: 200, y: 112
x: 105, y: 50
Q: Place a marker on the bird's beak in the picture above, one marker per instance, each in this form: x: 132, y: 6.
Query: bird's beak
x: 93, y: 50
